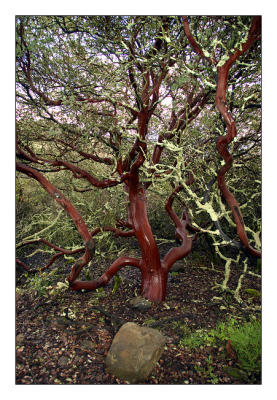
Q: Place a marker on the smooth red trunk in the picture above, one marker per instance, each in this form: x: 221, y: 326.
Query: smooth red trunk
x: 153, y: 284
x: 153, y: 275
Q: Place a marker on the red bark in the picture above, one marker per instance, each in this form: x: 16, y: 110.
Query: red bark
x: 116, y: 231
x: 192, y: 41
x: 59, y: 197
x: 152, y: 286
x: 23, y: 265
x: 154, y: 272
x: 108, y: 274
x: 183, y: 226
x: 71, y: 211
x: 224, y: 141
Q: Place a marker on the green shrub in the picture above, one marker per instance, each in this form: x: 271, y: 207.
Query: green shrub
x: 247, y: 342
x: 41, y: 281
x: 245, y: 338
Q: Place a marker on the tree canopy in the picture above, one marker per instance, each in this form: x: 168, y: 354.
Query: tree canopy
x: 132, y: 105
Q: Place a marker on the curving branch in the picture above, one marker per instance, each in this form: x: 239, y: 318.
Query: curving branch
x: 71, y: 211
x: 224, y: 141
x: 24, y: 266
x: 59, y: 197
x: 116, y: 231
x: 86, y: 235
x: 221, y: 103
x: 107, y: 275
x: 183, y: 226
x: 77, y: 172
x: 194, y: 43
x: 88, y: 156
x: 80, y: 173
x: 61, y: 252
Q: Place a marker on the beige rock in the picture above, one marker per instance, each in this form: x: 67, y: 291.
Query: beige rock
x: 140, y: 303
x: 19, y: 339
x: 63, y: 361
x: 134, y: 352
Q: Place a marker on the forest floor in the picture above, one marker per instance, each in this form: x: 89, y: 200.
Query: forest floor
x: 63, y: 338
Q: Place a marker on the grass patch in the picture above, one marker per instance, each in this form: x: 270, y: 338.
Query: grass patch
x: 42, y: 282
x: 245, y: 338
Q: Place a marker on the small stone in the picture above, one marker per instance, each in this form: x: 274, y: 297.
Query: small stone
x: 19, y: 339
x: 63, y: 361
x: 134, y: 352
x: 179, y: 266
x: 88, y: 344
x: 140, y: 303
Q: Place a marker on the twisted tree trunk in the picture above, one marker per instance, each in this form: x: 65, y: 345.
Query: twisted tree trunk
x: 221, y: 104
x: 153, y: 274
x: 224, y: 141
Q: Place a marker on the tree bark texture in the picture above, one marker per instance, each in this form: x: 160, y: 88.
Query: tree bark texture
x: 71, y: 211
x: 224, y: 141
x: 221, y: 104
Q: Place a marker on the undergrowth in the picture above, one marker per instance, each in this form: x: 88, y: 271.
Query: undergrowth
x: 245, y: 338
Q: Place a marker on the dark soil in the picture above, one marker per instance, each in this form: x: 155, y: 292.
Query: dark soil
x: 64, y: 338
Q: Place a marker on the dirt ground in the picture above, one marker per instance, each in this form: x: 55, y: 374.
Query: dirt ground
x: 64, y: 338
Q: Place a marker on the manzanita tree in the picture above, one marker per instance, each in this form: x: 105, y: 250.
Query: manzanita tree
x: 128, y: 93
x: 227, y: 64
